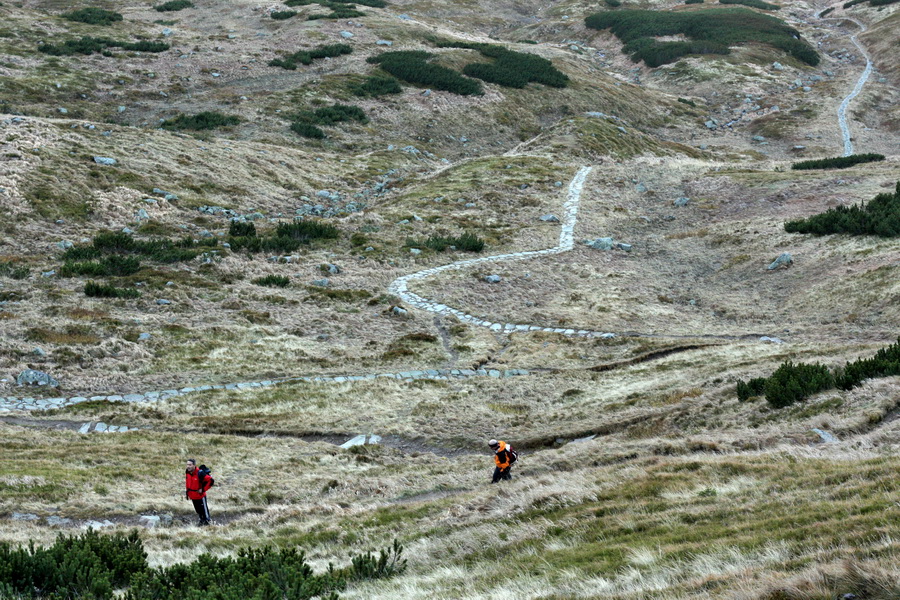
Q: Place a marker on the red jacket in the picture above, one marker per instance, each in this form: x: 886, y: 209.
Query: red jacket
x: 195, y: 491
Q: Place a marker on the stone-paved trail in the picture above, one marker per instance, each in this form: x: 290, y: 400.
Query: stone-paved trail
x: 863, y: 78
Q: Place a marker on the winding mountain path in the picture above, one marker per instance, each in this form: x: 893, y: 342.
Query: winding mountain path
x: 863, y: 78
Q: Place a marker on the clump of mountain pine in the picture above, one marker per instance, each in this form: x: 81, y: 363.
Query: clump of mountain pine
x: 200, y: 122
x: 174, y: 5
x: 880, y: 216
x: 792, y: 383
x: 709, y: 31
x: 837, y: 162
x: 306, y: 122
x: 93, y: 16
x: 376, y: 86
x: 287, y: 237
x: 510, y: 68
x: 305, y: 57
x: 90, y: 45
x: 412, y: 66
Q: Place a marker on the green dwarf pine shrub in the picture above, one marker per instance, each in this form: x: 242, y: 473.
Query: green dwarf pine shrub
x: 242, y: 229
x: 200, y: 122
x: 711, y: 31
x: 307, y: 130
x: 613, y: 3
x: 93, y: 16
x: 885, y: 363
x: 749, y: 389
x: 91, y: 45
x: 305, y: 231
x: 412, y: 66
x: 376, y: 86
x: 305, y: 57
x: 99, y: 290
x: 837, y: 162
x: 283, y: 15
x: 174, y: 5
x: 272, y: 281
x: 792, y: 383
x: 510, y: 69
x: 753, y: 4
x: 881, y: 217
x: 468, y: 242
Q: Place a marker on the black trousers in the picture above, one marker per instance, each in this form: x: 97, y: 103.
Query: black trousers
x: 202, y: 510
x: 501, y: 474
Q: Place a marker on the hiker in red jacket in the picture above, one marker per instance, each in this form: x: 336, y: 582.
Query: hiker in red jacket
x: 197, y: 484
x: 504, y: 457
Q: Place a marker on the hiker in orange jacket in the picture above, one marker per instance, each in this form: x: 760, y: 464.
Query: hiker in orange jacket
x: 196, y: 487
x: 504, y: 457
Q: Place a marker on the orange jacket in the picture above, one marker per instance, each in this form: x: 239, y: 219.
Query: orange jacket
x: 502, y: 456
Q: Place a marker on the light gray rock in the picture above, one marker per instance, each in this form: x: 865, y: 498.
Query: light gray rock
x: 144, y: 337
x: 605, y: 243
x: 493, y: 278
x: 346, y: 35
x: 710, y: 124
x: 333, y: 269
x: 415, y: 251
x: 771, y: 340
x: 324, y: 282
x: 777, y: 66
x: 56, y: 521
x: 385, y: 43
x: 783, y: 260
x: 624, y: 247
x: 400, y: 312
x: 105, y: 160
x: 163, y: 301
x: 826, y: 437
x: 149, y: 521
x: 101, y: 427
x: 758, y: 138
x: 683, y: 201
x: 549, y: 218
x: 17, y: 516
x: 98, y: 524
x: 34, y: 377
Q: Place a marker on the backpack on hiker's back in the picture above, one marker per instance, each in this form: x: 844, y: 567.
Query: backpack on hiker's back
x: 204, y: 474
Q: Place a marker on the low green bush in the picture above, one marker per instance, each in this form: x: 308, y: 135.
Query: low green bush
x: 826, y: 11
x: 242, y: 229
x: 376, y: 86
x: 882, y: 2
x: 837, y: 162
x: 306, y: 231
x: 305, y: 57
x: 13, y: 270
x: 174, y: 5
x: 749, y: 389
x: 711, y: 31
x: 853, y: 3
x: 693, y: 1
x: 95, y: 567
x: 613, y: 3
x: 99, y: 290
x: 158, y: 250
x: 114, y: 265
x: 468, y: 242
x: 792, y: 383
x: 93, y: 16
x: 337, y: 4
x: 287, y: 237
x: 307, y: 130
x: 339, y: 13
x: 412, y: 66
x: 272, y: 281
x: 885, y: 363
x: 753, y: 4
x: 510, y: 69
x: 283, y: 15
x: 91, y: 45
x: 881, y: 217
x: 200, y: 122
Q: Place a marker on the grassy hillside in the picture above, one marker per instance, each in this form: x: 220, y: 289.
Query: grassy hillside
x: 235, y: 208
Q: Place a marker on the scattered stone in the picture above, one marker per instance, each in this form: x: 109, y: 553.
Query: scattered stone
x: 55, y: 521
x: 625, y: 247
x: 144, y: 337
x: 711, y: 124
x: 62, y: 111
x: 557, y: 184
x: 149, y: 521
x: 163, y: 301
x: 549, y: 219
x: 64, y: 245
x: 400, y: 312
x: 361, y: 440
x: 101, y: 427
x: 105, y: 160
x: 783, y: 260
x: 683, y: 201
x: 640, y: 188
x: 99, y: 524
x: 85, y: 428
x: 321, y: 282
x: 346, y: 35
x: 33, y: 377
x: 492, y: 278
x: 778, y: 66
x: 16, y: 516
x: 384, y: 43
x: 826, y: 437
x: 415, y: 251
x: 758, y: 138
x: 798, y: 148
x: 605, y: 243
x: 166, y: 520
x: 333, y: 269
x: 38, y: 351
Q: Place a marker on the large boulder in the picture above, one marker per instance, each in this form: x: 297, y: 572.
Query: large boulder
x: 33, y: 377
x: 783, y: 260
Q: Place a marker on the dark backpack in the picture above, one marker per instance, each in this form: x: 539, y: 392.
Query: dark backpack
x: 513, y: 455
x: 205, y: 474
